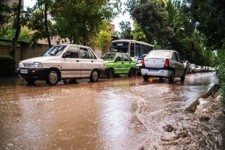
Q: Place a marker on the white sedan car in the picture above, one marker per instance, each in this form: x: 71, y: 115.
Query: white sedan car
x: 61, y: 62
x: 163, y: 64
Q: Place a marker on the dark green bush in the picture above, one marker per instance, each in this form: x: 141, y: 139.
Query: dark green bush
x: 7, y: 66
x: 221, y: 72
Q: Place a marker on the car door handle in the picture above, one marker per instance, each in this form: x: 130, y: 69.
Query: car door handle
x: 92, y: 61
x: 77, y: 61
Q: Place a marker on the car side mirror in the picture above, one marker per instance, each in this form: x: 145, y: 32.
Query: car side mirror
x: 66, y: 55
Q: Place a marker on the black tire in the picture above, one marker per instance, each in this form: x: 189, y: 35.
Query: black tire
x: 94, y: 76
x: 30, y: 81
x: 171, y: 79
x: 132, y: 72
x: 145, y: 78
x: 183, y: 77
x: 52, y: 77
x: 109, y: 73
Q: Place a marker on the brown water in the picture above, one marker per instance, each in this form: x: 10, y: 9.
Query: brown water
x: 118, y: 114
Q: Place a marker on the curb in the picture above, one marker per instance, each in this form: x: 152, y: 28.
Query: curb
x: 211, y: 91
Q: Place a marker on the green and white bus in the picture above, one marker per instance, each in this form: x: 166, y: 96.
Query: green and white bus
x: 136, y: 49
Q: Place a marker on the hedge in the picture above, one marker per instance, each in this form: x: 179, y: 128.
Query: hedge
x: 7, y: 66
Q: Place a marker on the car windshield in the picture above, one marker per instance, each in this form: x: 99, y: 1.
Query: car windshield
x: 109, y: 56
x: 159, y: 54
x: 55, y: 50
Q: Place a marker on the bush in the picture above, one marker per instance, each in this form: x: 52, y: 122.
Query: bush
x: 221, y: 72
x: 7, y: 66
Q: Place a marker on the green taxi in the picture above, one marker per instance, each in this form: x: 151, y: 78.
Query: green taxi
x: 119, y: 63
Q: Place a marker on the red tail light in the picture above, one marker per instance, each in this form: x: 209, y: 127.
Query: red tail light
x: 143, y: 63
x: 166, y: 64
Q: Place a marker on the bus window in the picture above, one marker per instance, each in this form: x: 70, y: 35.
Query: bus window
x: 120, y: 47
x: 142, y: 50
x: 137, y: 47
x: 132, y: 50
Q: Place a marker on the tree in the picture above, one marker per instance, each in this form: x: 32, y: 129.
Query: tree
x: 152, y: 18
x: 209, y: 19
x: 85, y: 21
x: 104, y: 37
x: 138, y: 33
x: 125, y: 30
x: 36, y: 17
x: 18, y: 27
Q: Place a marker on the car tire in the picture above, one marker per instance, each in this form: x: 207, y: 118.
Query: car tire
x: 171, y: 79
x: 94, y: 76
x: 145, y: 78
x: 183, y: 77
x: 30, y: 81
x: 110, y: 73
x: 52, y: 77
x: 132, y: 72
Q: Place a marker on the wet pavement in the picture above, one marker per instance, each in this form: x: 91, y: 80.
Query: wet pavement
x: 116, y: 114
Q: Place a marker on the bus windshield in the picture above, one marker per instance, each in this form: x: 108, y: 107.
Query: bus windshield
x: 120, y: 47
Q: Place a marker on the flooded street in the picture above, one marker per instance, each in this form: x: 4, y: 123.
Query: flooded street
x: 116, y: 114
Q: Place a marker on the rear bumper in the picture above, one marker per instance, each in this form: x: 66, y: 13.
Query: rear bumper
x: 32, y: 73
x: 156, y: 72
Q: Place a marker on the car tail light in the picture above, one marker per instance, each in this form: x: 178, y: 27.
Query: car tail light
x: 143, y: 63
x: 166, y: 64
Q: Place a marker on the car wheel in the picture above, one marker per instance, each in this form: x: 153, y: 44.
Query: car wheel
x: 110, y: 73
x: 145, y: 78
x: 183, y: 77
x: 132, y: 72
x: 30, y: 81
x: 52, y: 77
x: 171, y: 79
x: 94, y: 76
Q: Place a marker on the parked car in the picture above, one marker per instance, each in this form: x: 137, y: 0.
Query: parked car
x: 186, y: 66
x: 193, y: 68
x: 61, y: 62
x: 163, y: 64
x: 119, y: 63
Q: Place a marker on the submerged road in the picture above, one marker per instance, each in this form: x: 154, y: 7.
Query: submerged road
x: 116, y: 114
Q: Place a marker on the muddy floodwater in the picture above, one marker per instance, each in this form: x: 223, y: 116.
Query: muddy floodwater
x: 116, y: 114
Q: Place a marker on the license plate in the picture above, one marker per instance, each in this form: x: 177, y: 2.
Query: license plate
x: 24, y: 71
x: 153, y: 71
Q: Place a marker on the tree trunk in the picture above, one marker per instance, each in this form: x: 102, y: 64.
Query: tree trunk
x: 18, y: 27
x: 46, y: 25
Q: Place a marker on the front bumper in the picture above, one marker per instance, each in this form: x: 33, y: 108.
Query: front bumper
x: 32, y: 73
x: 156, y: 72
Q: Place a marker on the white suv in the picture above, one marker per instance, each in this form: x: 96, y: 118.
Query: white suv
x: 61, y: 62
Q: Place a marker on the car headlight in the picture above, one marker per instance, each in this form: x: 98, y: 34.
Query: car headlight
x: 36, y: 65
x: 20, y: 65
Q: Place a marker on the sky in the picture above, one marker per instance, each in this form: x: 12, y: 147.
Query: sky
x: 116, y: 20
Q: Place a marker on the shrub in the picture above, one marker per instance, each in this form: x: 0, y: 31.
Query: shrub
x: 221, y: 72
x: 7, y: 66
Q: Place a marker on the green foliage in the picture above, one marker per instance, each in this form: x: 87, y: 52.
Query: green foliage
x: 7, y: 66
x: 125, y: 30
x: 221, y: 71
x: 152, y: 17
x: 80, y: 20
x: 209, y: 18
x: 24, y: 35
x: 104, y: 36
x: 138, y: 33
x: 4, y: 14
